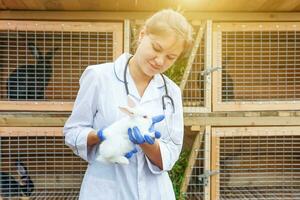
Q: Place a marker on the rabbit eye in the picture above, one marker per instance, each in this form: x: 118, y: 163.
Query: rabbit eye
x: 145, y: 116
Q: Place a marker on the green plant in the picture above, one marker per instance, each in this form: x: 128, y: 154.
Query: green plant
x: 177, y: 172
x: 176, y: 71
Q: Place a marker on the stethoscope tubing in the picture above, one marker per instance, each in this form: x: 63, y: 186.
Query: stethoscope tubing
x: 165, y: 96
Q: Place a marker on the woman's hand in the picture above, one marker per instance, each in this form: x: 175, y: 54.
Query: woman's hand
x: 136, y: 137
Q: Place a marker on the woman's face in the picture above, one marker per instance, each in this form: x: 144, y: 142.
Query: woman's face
x: 155, y: 54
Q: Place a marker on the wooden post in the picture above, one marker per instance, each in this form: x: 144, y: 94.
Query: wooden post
x: 192, y: 159
x: 192, y: 57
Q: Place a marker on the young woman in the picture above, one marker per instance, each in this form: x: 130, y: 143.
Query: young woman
x: 165, y: 37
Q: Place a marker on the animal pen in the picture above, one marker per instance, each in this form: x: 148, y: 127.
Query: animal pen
x: 241, y: 96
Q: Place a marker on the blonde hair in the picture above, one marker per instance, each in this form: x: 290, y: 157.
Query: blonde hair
x: 165, y: 21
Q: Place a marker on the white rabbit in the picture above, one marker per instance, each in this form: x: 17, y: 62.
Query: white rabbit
x: 117, y: 143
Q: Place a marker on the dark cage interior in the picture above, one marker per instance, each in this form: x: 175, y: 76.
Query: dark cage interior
x: 39, y: 167
x: 260, y: 167
x: 260, y: 66
x: 47, y: 65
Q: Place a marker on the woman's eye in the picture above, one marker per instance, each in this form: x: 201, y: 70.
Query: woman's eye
x: 170, y: 58
x: 155, y: 48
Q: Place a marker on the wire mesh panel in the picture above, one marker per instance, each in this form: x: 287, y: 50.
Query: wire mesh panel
x: 195, y: 184
x: 193, y: 93
x: 260, y: 66
x: 256, y: 163
x: 36, y: 164
x: 41, y: 62
x: 195, y: 85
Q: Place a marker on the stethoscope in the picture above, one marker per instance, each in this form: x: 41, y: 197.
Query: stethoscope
x: 164, y: 98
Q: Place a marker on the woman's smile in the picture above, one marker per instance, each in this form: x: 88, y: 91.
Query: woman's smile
x: 154, y: 67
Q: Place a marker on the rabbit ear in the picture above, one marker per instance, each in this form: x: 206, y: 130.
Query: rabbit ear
x: 127, y: 110
x: 50, y: 54
x: 130, y: 102
x: 34, y: 50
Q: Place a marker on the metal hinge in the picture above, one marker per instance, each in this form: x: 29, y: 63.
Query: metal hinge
x: 210, y: 70
x: 203, y: 178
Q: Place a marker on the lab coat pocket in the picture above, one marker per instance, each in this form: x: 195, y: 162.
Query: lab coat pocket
x: 99, y: 189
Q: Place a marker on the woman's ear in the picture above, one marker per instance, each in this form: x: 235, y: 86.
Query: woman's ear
x: 142, y: 34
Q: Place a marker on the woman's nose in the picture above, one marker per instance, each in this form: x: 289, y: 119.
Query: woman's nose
x: 159, y: 60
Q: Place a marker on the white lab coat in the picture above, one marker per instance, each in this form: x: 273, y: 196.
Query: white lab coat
x: 96, y: 106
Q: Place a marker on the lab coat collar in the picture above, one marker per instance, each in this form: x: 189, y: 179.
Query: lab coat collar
x: 153, y: 89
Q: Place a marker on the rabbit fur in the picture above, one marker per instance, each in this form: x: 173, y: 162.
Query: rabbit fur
x: 30, y: 81
x: 10, y: 186
x: 117, y: 143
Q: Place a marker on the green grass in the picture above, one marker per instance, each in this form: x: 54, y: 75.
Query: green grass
x: 175, y: 73
x: 177, y: 173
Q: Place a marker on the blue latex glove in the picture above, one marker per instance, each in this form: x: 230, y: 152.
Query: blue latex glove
x: 100, y: 135
x: 136, y: 137
x: 128, y: 155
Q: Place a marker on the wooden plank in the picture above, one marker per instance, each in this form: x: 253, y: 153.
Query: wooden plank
x: 118, y: 43
x: 2, y: 7
x: 207, y: 161
x: 112, y: 16
x: 30, y: 131
x: 30, y: 121
x: 196, y: 128
x: 217, y: 62
x: 36, y: 105
x: 195, y: 109
x: 61, y: 26
x: 279, y: 5
x: 208, y: 65
x: 57, y: 120
x: 71, y: 5
x: 127, y: 35
x: 191, y: 58
x: 253, y: 106
x: 244, y: 16
x: 256, y: 131
x: 34, y: 5
x: 203, y: 5
x: 191, y: 162
x: 254, y: 26
x: 241, y: 121
x: 214, y: 165
x: 16, y: 5
x: 53, y: 5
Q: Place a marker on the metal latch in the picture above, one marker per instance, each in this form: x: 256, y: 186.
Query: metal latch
x: 210, y: 70
x: 203, y: 178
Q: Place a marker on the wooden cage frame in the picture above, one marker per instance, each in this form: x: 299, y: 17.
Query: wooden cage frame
x: 203, y: 137
x: 117, y: 29
x: 218, y: 132
x: 204, y: 32
x: 217, y: 62
x: 52, y: 179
